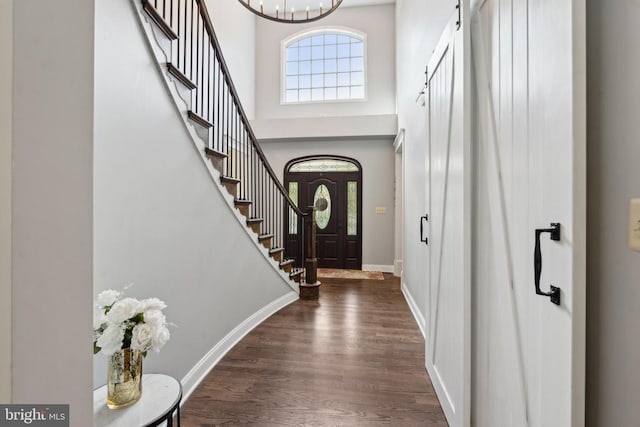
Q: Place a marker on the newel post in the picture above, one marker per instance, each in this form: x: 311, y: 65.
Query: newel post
x: 310, y: 288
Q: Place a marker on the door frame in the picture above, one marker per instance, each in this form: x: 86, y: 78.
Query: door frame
x: 287, y: 178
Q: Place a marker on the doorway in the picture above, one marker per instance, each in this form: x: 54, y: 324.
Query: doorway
x: 337, y: 180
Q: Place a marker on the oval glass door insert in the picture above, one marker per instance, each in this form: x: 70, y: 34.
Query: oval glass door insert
x: 322, y: 217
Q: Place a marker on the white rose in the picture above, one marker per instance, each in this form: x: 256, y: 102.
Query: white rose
x: 111, y: 340
x: 141, y: 337
x: 154, y: 318
x: 107, y: 298
x: 99, y: 317
x: 160, y: 338
x: 122, y: 310
x: 152, y: 304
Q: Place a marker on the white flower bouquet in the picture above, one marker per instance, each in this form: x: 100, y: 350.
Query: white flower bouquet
x: 121, y: 323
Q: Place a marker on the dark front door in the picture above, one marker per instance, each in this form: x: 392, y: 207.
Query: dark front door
x: 338, y: 227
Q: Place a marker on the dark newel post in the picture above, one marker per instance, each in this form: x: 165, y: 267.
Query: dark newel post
x: 311, y: 262
x: 310, y: 288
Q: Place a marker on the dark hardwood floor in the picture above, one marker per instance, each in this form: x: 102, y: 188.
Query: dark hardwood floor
x: 353, y: 358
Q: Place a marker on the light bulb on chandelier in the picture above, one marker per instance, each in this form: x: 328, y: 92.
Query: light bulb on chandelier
x: 306, y: 10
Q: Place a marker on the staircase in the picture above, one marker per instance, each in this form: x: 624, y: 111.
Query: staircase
x: 193, y: 60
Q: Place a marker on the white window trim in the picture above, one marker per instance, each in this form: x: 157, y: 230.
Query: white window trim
x: 306, y: 33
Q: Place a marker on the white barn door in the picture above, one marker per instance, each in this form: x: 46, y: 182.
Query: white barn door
x: 448, y: 195
x: 529, y: 68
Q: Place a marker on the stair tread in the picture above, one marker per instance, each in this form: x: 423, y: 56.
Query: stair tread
x: 254, y: 220
x: 195, y: 117
x: 287, y: 262
x: 210, y: 152
x: 242, y: 202
x: 275, y: 250
x: 180, y: 76
x: 265, y: 236
x: 229, y: 179
x: 159, y: 20
x: 296, y: 272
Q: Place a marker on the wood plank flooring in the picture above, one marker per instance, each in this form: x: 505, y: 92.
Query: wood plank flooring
x: 353, y: 358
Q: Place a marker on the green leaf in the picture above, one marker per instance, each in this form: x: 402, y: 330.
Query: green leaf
x: 138, y: 318
x: 96, y: 349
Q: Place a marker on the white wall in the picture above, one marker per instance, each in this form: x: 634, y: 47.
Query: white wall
x: 419, y: 25
x: 52, y: 204
x: 377, y: 159
x: 235, y: 28
x: 160, y: 221
x: 377, y: 22
x: 6, y: 99
x: 613, y: 348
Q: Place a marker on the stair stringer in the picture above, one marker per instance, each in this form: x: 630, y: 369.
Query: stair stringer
x: 157, y: 42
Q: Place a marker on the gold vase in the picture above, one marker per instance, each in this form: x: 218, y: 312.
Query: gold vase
x: 124, y: 378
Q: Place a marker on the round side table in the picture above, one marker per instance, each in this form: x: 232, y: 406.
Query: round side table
x: 160, y: 399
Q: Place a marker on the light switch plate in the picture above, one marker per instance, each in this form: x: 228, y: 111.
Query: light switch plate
x: 381, y: 210
x: 634, y: 225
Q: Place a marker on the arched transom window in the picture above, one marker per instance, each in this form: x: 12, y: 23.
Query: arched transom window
x: 324, y: 65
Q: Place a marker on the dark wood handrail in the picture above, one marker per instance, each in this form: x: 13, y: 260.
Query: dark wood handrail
x: 204, y: 14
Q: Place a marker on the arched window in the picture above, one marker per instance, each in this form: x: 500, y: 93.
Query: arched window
x: 324, y: 65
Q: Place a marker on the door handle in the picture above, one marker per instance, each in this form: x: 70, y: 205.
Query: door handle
x: 554, y: 292
x: 423, y: 238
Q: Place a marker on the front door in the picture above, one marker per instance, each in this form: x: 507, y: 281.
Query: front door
x: 338, y: 227
x: 529, y: 308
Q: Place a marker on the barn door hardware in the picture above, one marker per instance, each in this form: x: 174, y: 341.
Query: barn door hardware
x: 554, y: 231
x: 423, y: 92
x: 424, y: 239
x: 426, y: 76
x: 459, y: 21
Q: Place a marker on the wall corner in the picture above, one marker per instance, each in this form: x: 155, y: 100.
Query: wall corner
x: 6, y: 101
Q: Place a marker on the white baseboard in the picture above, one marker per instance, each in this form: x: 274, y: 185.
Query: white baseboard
x: 414, y: 309
x: 397, y: 267
x: 377, y: 267
x: 211, y: 359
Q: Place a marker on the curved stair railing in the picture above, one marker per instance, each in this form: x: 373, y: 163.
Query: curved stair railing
x: 195, y: 60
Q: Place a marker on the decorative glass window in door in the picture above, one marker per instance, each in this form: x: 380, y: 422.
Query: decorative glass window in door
x: 322, y: 217
x: 352, y: 208
x: 293, y: 218
x: 324, y: 165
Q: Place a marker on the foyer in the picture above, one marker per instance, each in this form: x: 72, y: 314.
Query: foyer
x: 355, y: 357
x: 103, y: 185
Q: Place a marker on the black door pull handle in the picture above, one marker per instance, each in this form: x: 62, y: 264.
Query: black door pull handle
x: 423, y: 238
x: 554, y: 293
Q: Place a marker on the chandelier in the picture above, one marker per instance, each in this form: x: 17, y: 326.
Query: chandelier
x: 291, y: 11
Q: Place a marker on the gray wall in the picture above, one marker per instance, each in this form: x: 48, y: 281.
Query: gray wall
x: 374, y: 116
x: 52, y: 204
x: 377, y: 22
x: 6, y: 99
x: 613, y: 347
x: 160, y: 221
x: 377, y: 159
